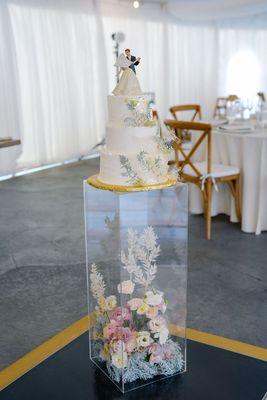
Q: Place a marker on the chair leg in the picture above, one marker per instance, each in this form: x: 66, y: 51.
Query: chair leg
x: 208, y: 208
x: 176, y: 156
x: 204, y: 198
x: 237, y: 199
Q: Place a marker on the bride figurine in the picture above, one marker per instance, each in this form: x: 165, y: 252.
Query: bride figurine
x: 128, y: 83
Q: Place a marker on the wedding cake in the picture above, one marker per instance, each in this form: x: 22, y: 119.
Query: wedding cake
x: 133, y: 154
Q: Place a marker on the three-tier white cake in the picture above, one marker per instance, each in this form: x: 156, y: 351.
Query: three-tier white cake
x: 132, y: 155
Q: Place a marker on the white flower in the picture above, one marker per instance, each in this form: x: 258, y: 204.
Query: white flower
x: 97, y: 283
x: 143, y: 339
x: 110, y: 303
x: 163, y: 335
x: 119, y: 359
x: 126, y: 287
x: 153, y: 299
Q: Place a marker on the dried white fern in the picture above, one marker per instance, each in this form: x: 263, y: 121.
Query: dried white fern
x: 142, y: 253
x: 97, y: 283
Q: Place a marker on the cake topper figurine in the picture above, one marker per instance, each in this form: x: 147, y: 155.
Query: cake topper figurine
x: 128, y: 84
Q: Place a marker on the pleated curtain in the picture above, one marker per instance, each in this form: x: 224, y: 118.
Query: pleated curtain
x: 56, y: 51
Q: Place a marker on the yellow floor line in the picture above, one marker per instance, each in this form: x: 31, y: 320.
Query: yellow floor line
x: 57, y: 342
x: 42, y: 352
x: 227, y: 344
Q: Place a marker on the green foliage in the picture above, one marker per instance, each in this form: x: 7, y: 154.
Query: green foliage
x: 128, y: 171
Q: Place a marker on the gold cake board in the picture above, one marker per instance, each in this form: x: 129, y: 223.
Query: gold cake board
x: 95, y: 182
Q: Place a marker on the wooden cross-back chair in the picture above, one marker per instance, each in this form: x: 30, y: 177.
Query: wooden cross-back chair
x: 195, y: 108
x: 221, y: 105
x: 204, y: 174
x: 155, y: 115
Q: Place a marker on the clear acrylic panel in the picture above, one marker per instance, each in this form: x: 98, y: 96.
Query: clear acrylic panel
x: 137, y: 280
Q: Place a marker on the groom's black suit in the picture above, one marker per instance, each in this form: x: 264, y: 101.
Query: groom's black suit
x: 133, y: 59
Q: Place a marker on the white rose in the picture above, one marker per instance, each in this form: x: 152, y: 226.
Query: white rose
x: 153, y: 299
x: 111, y: 303
x: 126, y: 287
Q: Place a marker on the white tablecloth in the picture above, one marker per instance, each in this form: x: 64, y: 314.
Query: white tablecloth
x: 248, y: 151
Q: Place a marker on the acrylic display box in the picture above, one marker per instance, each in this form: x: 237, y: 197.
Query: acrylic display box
x: 136, y: 245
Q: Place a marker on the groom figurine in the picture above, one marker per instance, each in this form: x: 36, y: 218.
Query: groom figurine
x: 135, y: 60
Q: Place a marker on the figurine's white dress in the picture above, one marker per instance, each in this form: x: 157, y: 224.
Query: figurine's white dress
x: 128, y: 84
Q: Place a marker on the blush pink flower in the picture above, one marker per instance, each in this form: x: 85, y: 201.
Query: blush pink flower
x: 126, y: 287
x: 169, y: 351
x: 121, y: 314
x: 131, y: 344
x: 134, y: 303
x: 152, y: 312
x: 156, y: 324
x: 110, y: 329
x: 122, y: 333
x: 156, y: 353
x: 117, y: 346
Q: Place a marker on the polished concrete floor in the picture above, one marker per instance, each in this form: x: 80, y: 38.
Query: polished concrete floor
x: 42, y: 266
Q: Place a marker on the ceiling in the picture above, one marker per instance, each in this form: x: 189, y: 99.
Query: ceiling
x: 212, y: 9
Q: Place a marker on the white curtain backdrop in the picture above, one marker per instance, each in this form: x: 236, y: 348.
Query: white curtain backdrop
x: 192, y: 72
x: 9, y: 109
x: 242, y: 56
x: 56, y: 65
x: 60, y: 81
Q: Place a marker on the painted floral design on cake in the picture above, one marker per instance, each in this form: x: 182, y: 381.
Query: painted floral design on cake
x: 141, y: 113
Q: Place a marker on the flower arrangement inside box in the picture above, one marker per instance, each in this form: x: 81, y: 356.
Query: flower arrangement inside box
x: 130, y: 333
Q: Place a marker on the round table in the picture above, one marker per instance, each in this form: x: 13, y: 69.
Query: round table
x: 248, y: 151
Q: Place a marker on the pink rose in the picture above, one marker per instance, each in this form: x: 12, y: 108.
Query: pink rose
x: 126, y: 287
x: 121, y: 314
x: 156, y: 353
x: 169, y: 351
x: 156, y: 324
x: 117, y: 345
x: 152, y: 312
x: 122, y: 334
x: 134, y: 303
x: 131, y: 344
x: 110, y: 329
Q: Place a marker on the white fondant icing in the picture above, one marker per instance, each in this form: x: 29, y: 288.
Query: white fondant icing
x: 131, y: 148
x: 131, y: 139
